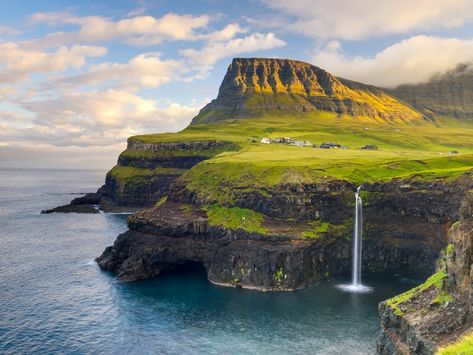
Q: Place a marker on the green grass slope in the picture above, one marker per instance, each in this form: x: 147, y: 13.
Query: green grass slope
x: 405, y: 149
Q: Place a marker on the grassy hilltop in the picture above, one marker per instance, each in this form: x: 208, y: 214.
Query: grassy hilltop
x: 420, y: 148
x: 281, y: 98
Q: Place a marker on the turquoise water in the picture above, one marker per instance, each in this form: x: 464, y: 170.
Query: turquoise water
x: 54, y: 298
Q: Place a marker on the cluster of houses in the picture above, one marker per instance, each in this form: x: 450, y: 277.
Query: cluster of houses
x: 331, y: 145
x: 287, y: 140
x: 328, y: 145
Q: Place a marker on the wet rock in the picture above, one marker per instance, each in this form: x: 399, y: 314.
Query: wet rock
x: 85, y: 204
x: 438, y: 315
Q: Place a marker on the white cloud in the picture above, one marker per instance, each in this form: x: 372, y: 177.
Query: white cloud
x: 17, y: 62
x: 145, y: 70
x: 52, y: 98
x: 9, y: 31
x: 137, y: 31
x: 101, y: 114
x: 410, y: 61
x: 348, y: 19
x: 82, y: 130
x: 225, y: 34
x: 212, y: 52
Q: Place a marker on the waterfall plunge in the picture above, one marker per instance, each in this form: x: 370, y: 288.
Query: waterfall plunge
x: 356, y: 285
x: 357, y: 240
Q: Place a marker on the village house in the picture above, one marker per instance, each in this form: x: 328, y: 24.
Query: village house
x: 370, y: 147
x: 329, y: 145
x: 266, y: 140
x: 286, y: 140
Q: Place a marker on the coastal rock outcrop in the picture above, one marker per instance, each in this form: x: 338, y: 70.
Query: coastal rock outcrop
x: 145, y: 172
x: 405, y: 228
x: 440, y: 311
x: 84, y: 204
x: 173, y: 234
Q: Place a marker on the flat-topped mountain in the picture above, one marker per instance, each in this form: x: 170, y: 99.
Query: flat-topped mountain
x: 254, y: 86
x: 448, y: 94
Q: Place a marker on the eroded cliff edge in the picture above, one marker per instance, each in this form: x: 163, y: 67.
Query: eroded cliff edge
x: 440, y: 311
x: 143, y: 174
x: 293, y: 236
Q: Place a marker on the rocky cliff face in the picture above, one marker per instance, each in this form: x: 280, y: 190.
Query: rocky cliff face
x: 413, y: 214
x: 145, y: 172
x: 449, y: 94
x: 173, y: 235
x: 406, y: 227
x: 253, y: 86
x: 441, y: 310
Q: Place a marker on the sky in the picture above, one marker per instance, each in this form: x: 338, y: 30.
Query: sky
x: 77, y: 78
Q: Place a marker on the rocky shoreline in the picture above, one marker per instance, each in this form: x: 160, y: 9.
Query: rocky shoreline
x: 408, y: 222
x: 89, y: 203
x: 440, y: 311
x: 406, y: 228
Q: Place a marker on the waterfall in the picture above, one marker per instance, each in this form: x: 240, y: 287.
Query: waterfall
x: 357, y: 240
x: 356, y: 285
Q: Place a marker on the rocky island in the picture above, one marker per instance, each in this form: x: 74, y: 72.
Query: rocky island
x: 279, y: 217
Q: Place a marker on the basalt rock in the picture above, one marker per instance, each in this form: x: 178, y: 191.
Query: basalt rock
x: 449, y: 94
x: 405, y: 228
x: 440, y: 314
x: 85, y: 204
x: 254, y: 85
x: 154, y: 168
x: 403, y: 214
x: 166, y: 237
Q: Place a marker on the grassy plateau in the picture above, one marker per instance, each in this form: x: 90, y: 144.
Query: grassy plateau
x: 427, y: 149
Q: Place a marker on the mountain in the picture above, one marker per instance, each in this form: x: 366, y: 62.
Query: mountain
x: 253, y: 86
x: 448, y: 94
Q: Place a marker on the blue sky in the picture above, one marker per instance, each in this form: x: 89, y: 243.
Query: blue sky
x: 78, y: 77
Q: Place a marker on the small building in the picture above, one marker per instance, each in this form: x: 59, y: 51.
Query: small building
x: 287, y: 140
x: 266, y: 140
x: 308, y: 144
x: 329, y: 145
x: 370, y: 147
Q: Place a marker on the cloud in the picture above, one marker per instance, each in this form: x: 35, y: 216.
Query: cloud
x: 145, y: 70
x: 9, y: 31
x: 83, y: 129
x: 136, y: 31
x: 348, y: 19
x: 212, y: 52
x: 100, y: 111
x: 91, y: 118
x: 17, y: 62
x: 413, y: 60
x: 225, y: 34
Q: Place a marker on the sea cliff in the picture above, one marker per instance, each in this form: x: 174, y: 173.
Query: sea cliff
x: 438, y: 312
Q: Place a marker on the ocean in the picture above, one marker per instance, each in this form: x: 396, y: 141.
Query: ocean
x: 54, y: 299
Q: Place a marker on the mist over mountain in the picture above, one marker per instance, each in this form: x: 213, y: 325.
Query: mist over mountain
x: 447, y: 94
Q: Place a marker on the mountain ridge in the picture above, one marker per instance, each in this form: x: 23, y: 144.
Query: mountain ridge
x: 448, y: 94
x: 253, y: 86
